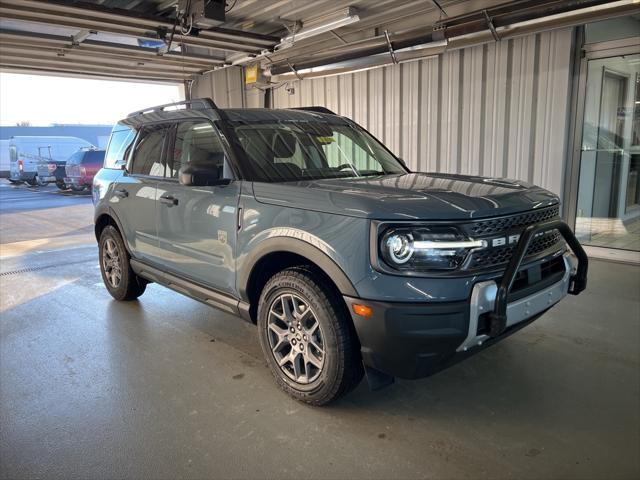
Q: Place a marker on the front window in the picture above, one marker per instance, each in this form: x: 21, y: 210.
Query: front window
x: 292, y: 151
x: 196, y: 144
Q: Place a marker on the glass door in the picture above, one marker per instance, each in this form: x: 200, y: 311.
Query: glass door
x: 608, y: 206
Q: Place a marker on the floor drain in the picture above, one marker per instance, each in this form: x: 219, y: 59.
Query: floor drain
x: 41, y: 267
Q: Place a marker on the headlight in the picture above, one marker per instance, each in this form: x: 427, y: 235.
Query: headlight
x: 424, y: 248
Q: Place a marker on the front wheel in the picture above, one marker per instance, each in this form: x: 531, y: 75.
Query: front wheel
x: 118, y: 276
x: 307, y: 338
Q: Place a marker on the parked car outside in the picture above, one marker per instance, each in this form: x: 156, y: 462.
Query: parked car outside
x: 302, y: 223
x: 81, y: 168
x: 26, y: 153
x: 53, y: 171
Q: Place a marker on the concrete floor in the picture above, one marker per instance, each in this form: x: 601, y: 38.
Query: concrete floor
x: 168, y: 388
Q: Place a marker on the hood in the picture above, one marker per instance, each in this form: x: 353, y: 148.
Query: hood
x: 413, y: 196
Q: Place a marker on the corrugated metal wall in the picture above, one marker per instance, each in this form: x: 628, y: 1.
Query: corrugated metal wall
x: 225, y: 86
x: 497, y: 110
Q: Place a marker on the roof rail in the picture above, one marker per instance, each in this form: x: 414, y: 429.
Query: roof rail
x: 195, y: 104
x: 316, y: 109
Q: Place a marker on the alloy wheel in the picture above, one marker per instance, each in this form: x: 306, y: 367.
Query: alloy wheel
x: 111, y: 263
x: 295, y: 338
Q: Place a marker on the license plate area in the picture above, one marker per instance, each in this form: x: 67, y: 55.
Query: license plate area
x: 483, y: 300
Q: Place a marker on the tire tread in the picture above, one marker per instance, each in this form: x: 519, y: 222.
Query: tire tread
x: 349, y: 371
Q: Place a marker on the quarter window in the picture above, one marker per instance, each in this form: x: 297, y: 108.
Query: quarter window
x: 147, y: 157
x: 119, y: 145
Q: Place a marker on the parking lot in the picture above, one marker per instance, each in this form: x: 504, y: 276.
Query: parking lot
x: 166, y: 387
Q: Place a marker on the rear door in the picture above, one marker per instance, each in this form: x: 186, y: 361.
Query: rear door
x: 197, y: 225
x: 14, y: 172
x: 134, y: 195
x: 72, y: 167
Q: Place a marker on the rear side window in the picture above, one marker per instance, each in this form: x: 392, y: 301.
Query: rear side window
x: 195, y: 143
x: 75, y: 159
x: 147, y: 156
x: 119, y: 145
x: 93, y: 157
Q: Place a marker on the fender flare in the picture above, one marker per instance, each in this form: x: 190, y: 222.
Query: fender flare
x: 298, y: 247
x: 107, y: 210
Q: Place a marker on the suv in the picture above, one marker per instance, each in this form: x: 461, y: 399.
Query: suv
x: 81, y: 167
x: 301, y: 222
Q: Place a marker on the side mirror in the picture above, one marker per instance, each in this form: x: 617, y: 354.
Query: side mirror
x: 121, y: 164
x: 202, y: 176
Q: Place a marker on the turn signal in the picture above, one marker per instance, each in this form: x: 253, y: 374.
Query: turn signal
x: 362, y: 310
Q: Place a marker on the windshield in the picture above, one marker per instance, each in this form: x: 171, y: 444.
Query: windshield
x: 284, y: 151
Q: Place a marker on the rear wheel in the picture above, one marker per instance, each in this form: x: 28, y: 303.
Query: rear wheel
x: 33, y: 182
x: 77, y: 189
x: 61, y: 185
x: 117, y: 275
x: 15, y: 182
x: 306, y: 337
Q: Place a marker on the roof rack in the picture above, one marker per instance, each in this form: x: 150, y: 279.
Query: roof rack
x: 195, y: 104
x: 316, y: 109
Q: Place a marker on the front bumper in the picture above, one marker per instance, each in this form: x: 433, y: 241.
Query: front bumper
x: 413, y: 340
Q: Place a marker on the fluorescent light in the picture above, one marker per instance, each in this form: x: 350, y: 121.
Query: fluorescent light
x: 343, y: 18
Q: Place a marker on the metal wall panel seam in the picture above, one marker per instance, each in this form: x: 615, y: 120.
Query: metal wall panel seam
x: 498, y: 109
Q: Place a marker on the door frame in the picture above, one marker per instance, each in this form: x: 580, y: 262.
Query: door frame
x: 583, y: 53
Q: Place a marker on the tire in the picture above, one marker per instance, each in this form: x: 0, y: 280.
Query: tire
x: 33, y: 182
x: 319, y: 363
x: 114, y: 260
x: 77, y: 189
x: 61, y: 185
x: 15, y: 182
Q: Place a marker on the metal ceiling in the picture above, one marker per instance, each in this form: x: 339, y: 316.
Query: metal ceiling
x: 104, y: 37
x: 115, y: 38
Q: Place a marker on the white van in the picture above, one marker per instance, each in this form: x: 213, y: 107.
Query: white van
x: 4, y: 158
x: 26, y: 152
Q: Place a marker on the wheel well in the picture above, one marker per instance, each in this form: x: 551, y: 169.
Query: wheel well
x: 273, y: 263
x: 101, y: 222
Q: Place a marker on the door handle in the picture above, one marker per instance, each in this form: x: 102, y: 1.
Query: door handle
x: 121, y: 193
x: 169, y: 200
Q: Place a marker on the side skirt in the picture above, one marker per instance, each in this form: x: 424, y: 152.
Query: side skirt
x: 203, y: 294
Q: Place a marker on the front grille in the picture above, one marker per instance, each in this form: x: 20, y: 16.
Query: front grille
x: 498, y: 256
x: 505, y: 224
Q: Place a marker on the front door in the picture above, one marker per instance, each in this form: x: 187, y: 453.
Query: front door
x: 197, y: 225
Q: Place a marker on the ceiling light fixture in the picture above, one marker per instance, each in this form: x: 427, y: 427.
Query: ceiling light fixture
x: 338, y: 19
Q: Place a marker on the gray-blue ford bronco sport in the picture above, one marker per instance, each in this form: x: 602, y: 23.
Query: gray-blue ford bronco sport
x: 301, y: 222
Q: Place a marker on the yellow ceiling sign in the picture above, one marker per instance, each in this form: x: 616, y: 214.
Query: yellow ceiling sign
x: 251, y: 74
